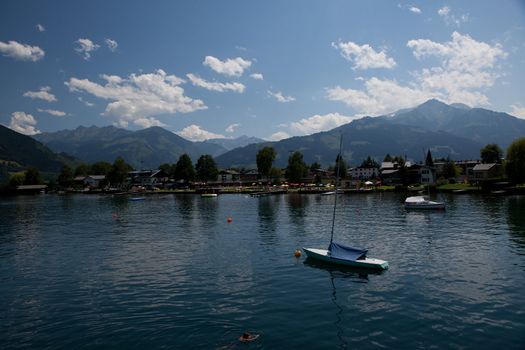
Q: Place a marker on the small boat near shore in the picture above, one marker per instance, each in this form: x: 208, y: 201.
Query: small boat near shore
x: 420, y: 202
x: 208, y: 195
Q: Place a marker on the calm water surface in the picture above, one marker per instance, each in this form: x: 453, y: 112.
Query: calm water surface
x: 100, y: 272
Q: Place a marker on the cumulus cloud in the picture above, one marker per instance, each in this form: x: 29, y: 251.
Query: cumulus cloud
x: 89, y: 104
x: 112, y: 44
x: 138, y: 98
x: 21, y: 52
x: 280, y: 97
x: 23, y: 123
x: 196, y: 133
x: 232, y: 66
x: 54, y: 112
x: 518, y: 111
x: 43, y: 94
x: 364, y: 56
x: 215, y: 86
x: 318, y: 123
x: 450, y: 18
x: 466, y: 68
x: 257, y: 76
x: 85, y: 47
x: 232, y: 127
x: 414, y: 9
x: 40, y: 28
x: 280, y: 135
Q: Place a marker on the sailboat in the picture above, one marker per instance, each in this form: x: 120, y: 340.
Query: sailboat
x: 341, y: 254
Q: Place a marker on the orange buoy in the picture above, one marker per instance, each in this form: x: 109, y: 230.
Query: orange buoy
x: 229, y: 220
x: 297, y: 253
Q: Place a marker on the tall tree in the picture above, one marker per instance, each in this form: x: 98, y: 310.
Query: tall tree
x: 16, y: 179
x: 65, y: 179
x: 184, y: 169
x: 265, y: 158
x: 315, y: 166
x: 297, y: 168
x: 119, y: 172
x: 369, y: 163
x: 168, y: 169
x: 340, y: 163
x: 515, y: 162
x: 206, y: 168
x: 450, y: 170
x: 32, y: 177
x: 388, y: 158
x: 428, y: 160
x: 491, y: 153
x: 82, y: 170
x: 100, y: 168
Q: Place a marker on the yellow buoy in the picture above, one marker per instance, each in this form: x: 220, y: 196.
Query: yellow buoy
x: 297, y: 253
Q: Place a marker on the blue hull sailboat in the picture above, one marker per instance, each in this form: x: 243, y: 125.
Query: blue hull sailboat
x: 340, y: 254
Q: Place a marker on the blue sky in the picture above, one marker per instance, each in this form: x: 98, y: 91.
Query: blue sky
x: 270, y: 69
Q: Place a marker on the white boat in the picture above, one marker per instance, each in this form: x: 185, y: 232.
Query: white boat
x: 208, y: 195
x: 420, y: 202
x: 339, y: 254
x: 326, y: 256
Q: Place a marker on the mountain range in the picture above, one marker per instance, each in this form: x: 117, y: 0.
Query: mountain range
x: 19, y: 152
x: 147, y: 148
x: 456, y: 131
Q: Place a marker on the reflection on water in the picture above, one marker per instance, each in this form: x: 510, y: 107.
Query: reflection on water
x: 267, y: 209
x: 172, y: 272
x: 297, y: 204
x: 516, y: 219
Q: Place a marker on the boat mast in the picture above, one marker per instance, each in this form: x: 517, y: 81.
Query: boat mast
x: 338, y: 165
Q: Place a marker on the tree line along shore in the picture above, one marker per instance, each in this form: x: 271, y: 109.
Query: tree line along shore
x: 491, y: 173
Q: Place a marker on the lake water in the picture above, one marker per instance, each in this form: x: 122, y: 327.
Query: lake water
x: 101, y: 272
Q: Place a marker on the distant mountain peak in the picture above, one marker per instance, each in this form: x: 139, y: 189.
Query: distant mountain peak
x: 461, y: 106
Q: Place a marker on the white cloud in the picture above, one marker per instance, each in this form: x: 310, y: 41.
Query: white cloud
x: 414, y: 9
x: 257, y: 76
x: 452, y: 19
x: 280, y: 135
x: 85, y: 48
x: 196, y: 133
x: 231, y: 67
x: 54, y: 112
x: 318, y: 123
x: 23, y: 123
x: 89, y: 104
x: 215, y: 86
x: 280, y: 97
x: 40, y: 28
x: 112, y: 44
x: 147, y: 122
x: 21, y: 52
x: 467, y: 67
x: 43, y: 94
x: 380, y: 96
x: 232, y: 127
x: 364, y: 56
x: 444, y: 11
x: 138, y: 98
x: 518, y: 111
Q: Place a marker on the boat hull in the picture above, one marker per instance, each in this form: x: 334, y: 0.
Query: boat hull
x: 432, y: 206
x: 323, y: 255
x: 420, y: 202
